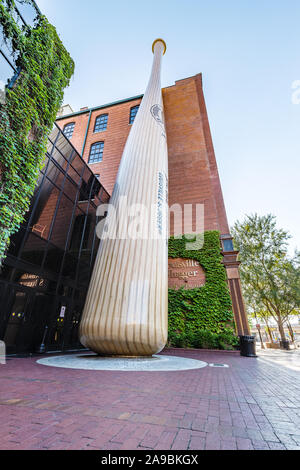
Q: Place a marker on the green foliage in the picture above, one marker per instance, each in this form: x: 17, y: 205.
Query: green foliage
x: 204, y: 312
x: 271, y: 278
x: 28, y: 114
x: 205, y: 339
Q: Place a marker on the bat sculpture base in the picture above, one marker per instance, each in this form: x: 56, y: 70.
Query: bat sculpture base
x: 118, y: 348
x: 143, y: 364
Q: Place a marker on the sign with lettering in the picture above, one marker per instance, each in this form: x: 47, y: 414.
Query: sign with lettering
x: 185, y: 273
x: 31, y: 280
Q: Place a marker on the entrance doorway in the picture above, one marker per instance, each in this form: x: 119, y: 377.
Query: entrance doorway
x: 17, y: 317
x: 28, y: 313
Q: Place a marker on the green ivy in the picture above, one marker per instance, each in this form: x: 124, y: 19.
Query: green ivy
x: 28, y: 114
x: 206, y: 308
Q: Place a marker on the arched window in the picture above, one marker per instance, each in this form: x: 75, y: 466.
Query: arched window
x: 133, y: 113
x: 69, y: 129
x: 101, y: 123
x: 96, y: 152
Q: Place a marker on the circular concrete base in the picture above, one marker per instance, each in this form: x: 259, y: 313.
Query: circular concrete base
x: 142, y: 364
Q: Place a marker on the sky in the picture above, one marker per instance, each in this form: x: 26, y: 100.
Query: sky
x: 248, y: 52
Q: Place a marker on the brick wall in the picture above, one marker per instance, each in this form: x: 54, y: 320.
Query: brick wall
x: 193, y: 173
x: 114, y: 138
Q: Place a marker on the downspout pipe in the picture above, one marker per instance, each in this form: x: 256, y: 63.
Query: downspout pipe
x: 86, y: 133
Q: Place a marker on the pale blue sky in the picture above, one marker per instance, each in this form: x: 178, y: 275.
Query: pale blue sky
x: 249, y: 54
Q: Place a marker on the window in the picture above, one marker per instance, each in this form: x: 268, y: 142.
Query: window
x: 101, y: 123
x: 81, y: 233
x: 89, y: 189
x: 69, y: 129
x: 228, y: 245
x: 96, y: 153
x: 133, y: 113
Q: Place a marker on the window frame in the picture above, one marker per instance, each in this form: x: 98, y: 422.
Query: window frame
x: 93, y: 145
x: 66, y: 125
x: 105, y: 115
x: 137, y: 107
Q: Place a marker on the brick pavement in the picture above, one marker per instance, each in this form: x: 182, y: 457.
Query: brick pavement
x: 250, y: 405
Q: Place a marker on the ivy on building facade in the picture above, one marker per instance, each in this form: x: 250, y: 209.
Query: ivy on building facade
x: 28, y: 113
x: 202, y: 317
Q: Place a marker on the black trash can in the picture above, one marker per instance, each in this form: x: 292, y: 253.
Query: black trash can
x: 285, y: 345
x: 248, y: 346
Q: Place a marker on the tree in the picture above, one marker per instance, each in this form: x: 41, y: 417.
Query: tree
x: 265, y: 316
x: 270, y: 277
x: 294, y: 313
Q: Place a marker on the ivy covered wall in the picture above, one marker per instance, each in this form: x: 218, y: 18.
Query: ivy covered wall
x: 202, y: 317
x: 28, y: 114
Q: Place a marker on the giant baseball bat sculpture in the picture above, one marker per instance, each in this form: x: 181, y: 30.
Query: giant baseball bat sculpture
x: 126, y: 311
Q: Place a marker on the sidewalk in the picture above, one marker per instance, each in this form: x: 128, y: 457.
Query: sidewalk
x: 253, y: 404
x: 289, y: 359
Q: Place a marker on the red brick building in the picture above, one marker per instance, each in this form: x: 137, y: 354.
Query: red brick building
x: 99, y: 134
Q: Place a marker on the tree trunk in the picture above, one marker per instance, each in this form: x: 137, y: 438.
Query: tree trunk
x: 259, y: 332
x: 281, y: 329
x: 269, y: 332
x: 291, y: 331
x: 261, y: 341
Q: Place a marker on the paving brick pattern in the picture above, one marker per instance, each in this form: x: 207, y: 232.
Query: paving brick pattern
x: 250, y: 405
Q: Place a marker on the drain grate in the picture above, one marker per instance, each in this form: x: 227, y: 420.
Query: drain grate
x: 218, y: 365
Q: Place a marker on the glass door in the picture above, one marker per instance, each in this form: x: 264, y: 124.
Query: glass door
x: 17, y: 317
x: 58, y: 328
x: 40, y: 316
